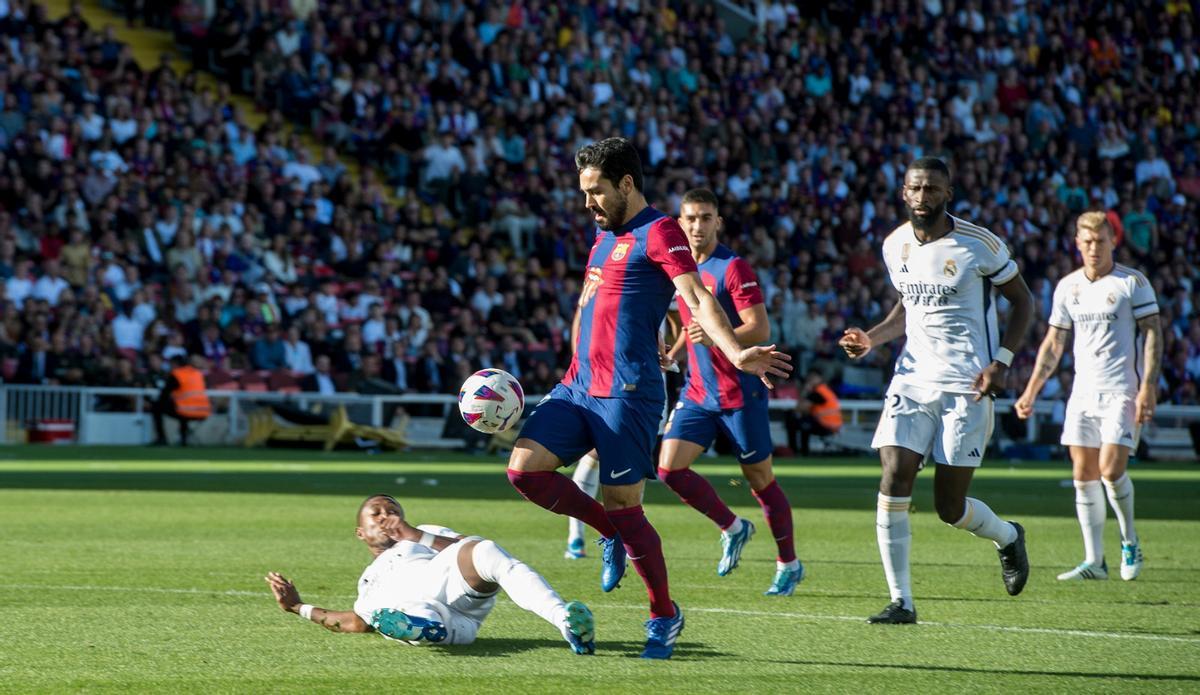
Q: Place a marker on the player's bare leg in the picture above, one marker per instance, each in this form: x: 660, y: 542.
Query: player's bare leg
x: 893, y: 531
x: 1089, y: 508
x: 1114, y: 460
x: 778, y: 513
x: 644, y: 548
x: 675, y: 469
x: 487, y: 568
x: 587, y: 477
x: 533, y: 471
x: 950, y: 485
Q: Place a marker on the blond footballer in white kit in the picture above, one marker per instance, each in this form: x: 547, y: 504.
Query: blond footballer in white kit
x: 1106, y: 305
x: 939, y: 404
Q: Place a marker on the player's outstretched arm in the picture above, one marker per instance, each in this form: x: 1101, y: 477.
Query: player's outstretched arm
x: 289, y: 601
x: 1147, y: 396
x: 1048, y: 357
x: 762, y: 361
x: 990, y: 381
x: 857, y: 342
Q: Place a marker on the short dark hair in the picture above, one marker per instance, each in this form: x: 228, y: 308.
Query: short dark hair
x: 179, y: 360
x: 931, y: 164
x: 701, y: 196
x: 361, y: 507
x: 616, y: 158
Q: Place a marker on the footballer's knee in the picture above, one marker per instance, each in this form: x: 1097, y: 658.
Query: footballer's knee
x: 760, y: 475
x: 476, y: 562
x: 677, y: 455
x: 528, y: 457
x: 618, y: 497
x: 899, y: 468
x: 950, y: 510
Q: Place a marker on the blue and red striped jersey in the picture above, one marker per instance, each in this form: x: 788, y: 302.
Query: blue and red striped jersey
x: 626, y: 294
x: 713, y: 383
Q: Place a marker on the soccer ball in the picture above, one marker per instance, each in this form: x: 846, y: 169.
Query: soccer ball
x: 491, y: 400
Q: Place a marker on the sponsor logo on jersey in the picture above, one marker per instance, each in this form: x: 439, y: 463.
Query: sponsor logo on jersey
x: 926, y: 293
x: 950, y: 269
x: 746, y: 285
x: 620, y: 250
x: 676, y: 249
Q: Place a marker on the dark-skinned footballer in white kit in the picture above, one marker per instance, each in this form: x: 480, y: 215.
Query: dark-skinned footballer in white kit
x: 430, y: 585
x: 955, y: 360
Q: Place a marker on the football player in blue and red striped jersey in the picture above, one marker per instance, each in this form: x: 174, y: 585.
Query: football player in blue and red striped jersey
x: 612, y: 396
x: 718, y: 397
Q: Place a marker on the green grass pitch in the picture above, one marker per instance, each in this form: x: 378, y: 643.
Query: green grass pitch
x: 139, y: 570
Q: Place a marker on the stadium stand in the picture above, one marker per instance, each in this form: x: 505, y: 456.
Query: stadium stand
x: 140, y: 215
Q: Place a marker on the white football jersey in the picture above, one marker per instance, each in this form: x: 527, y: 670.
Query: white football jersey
x: 394, y: 578
x: 948, y: 290
x: 1103, y: 315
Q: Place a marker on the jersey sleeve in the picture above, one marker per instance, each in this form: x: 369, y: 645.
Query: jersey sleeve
x: 1144, y: 302
x: 436, y: 530
x: 996, y: 263
x: 667, y: 247
x: 1059, y: 316
x: 742, y: 284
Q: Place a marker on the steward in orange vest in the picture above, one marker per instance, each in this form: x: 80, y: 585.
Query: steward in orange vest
x: 818, y: 412
x: 183, y: 398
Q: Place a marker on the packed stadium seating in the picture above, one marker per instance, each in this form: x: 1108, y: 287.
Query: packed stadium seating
x: 140, y: 215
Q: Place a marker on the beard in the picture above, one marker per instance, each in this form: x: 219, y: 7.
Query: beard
x: 925, y: 221
x: 614, y: 216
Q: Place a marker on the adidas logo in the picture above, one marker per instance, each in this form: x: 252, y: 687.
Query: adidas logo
x: 974, y: 454
x: 904, y: 268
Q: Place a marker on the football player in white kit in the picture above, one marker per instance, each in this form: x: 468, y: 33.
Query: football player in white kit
x: 1106, y: 305
x: 428, y: 584
x: 939, y: 403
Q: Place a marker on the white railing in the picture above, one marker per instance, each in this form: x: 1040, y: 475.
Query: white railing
x: 122, y: 415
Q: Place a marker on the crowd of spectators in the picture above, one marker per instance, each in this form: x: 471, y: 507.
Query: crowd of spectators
x: 140, y: 216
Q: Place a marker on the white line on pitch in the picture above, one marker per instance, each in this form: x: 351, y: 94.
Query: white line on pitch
x: 734, y: 611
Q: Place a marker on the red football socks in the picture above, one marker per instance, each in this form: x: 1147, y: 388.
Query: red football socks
x: 699, y: 494
x: 644, y: 548
x: 778, y: 512
x: 561, y: 495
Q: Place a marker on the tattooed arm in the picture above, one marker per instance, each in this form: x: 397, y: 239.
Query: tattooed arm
x: 289, y: 600
x: 1048, y: 357
x: 1147, y: 396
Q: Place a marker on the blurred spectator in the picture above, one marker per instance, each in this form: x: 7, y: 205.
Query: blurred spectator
x: 144, y: 189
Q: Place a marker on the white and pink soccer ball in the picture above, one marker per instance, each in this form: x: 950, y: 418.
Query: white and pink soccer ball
x: 491, y: 401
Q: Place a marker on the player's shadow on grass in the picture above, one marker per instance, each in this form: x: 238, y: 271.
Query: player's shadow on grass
x: 1167, y: 677
x: 498, y: 647
x: 421, y: 476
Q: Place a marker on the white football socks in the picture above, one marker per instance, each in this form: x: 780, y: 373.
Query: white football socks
x: 894, y: 534
x: 524, y: 586
x: 1089, y: 506
x: 1120, y: 496
x: 587, y: 477
x: 981, y: 521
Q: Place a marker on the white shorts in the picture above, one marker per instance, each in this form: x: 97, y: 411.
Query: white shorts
x: 436, y: 589
x: 1093, y: 419
x: 951, y: 428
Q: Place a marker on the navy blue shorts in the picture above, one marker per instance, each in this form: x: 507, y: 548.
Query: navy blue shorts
x: 749, y: 427
x: 570, y: 423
